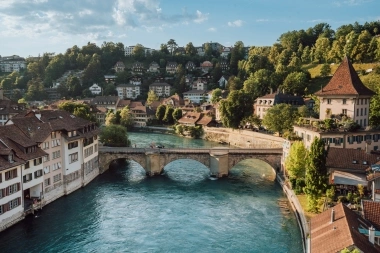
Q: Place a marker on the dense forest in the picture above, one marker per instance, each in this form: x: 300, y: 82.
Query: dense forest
x: 284, y: 65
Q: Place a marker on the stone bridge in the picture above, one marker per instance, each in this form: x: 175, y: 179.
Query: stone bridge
x: 218, y: 160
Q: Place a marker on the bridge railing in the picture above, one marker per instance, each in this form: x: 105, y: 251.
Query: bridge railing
x: 187, y: 150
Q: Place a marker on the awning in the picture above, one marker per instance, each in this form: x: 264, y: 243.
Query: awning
x: 340, y: 177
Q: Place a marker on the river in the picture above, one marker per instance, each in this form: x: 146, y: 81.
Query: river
x: 181, y: 211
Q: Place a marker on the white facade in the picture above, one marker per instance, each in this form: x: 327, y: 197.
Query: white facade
x: 129, y: 50
x: 196, y: 96
x: 11, y: 204
x: 12, y: 63
x: 128, y: 91
x: 161, y: 89
x: 95, y: 89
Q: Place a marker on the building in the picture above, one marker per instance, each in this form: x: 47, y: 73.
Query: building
x: 206, y: 66
x: 224, y: 65
x: 161, y: 89
x: 199, y: 84
x: 190, y: 66
x: 119, y: 67
x: 110, y: 78
x: 373, y: 179
x: 223, y: 81
x: 215, y: 46
x: 128, y: 91
x: 137, y: 68
x: 95, y: 89
x: 12, y: 63
x: 200, y: 51
x: 171, y: 67
x: 339, y: 228
x: 108, y: 102
x: 8, y: 108
x: 225, y: 52
x: 154, y: 67
x: 174, y: 101
x: 129, y: 50
x: 345, y: 94
x: 196, y: 96
x: 262, y: 104
x: 196, y: 119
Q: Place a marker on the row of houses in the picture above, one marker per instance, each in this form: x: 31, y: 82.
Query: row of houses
x: 43, y: 155
x: 12, y: 63
x: 171, y: 67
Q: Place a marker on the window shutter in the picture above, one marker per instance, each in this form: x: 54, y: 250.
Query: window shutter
x: 19, y: 201
x: 6, y: 191
x: 40, y: 160
x: 35, y: 162
x: 18, y: 186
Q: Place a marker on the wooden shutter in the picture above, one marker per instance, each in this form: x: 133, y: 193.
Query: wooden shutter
x: 18, y: 186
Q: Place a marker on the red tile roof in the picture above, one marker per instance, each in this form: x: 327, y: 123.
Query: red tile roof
x: 205, y: 120
x: 345, y: 81
x: 343, y: 232
x: 371, y: 212
x: 190, y: 118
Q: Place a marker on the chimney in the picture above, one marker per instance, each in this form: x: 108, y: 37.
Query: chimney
x: 332, y: 215
x: 371, y: 234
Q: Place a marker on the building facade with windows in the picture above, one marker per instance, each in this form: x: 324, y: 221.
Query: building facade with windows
x: 161, y: 89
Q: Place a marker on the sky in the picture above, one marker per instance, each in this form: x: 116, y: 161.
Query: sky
x: 33, y: 27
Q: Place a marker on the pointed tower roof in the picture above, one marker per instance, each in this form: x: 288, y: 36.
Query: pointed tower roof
x: 345, y: 81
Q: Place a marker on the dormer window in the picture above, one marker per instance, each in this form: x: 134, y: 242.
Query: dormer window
x: 354, y: 161
x: 365, y: 162
x: 329, y: 101
x: 69, y: 134
x: 10, y: 158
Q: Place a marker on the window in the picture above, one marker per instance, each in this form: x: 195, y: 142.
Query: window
x: 56, y: 154
x: 53, y: 135
x: 13, y: 188
x: 57, y: 178
x: 38, y: 173
x: 344, y: 111
x: 73, y: 157
x: 27, y: 166
x: 47, y: 182
x: 1, y: 177
x: 37, y: 161
x: 47, y: 169
x: 344, y: 101
x: 11, y: 174
x: 365, y: 111
x: 365, y: 122
x: 357, y: 112
x: 73, y: 144
x: 1, y: 209
x: 361, y: 111
x: 14, y: 203
x: 45, y: 145
x: 361, y: 101
x: 329, y: 101
x: 27, y: 177
x: 55, y: 143
x: 46, y: 158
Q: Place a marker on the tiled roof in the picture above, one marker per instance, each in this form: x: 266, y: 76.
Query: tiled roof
x: 123, y: 103
x: 159, y: 84
x: 9, y: 107
x: 345, y: 81
x: 343, y: 232
x: 190, y: 118
x: 33, y: 128
x: 343, y: 159
x: 139, y: 108
x: 134, y: 104
x: 195, y: 92
x: 205, y: 120
x: 155, y: 104
x: 177, y: 100
x: 62, y: 120
x: 371, y: 212
x: 104, y: 99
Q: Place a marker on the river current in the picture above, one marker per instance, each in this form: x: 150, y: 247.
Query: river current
x: 181, y: 211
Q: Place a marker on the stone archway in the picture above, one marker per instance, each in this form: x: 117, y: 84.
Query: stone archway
x: 106, y: 159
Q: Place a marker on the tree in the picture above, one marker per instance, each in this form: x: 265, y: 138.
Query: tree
x: 350, y: 251
x: 280, y: 117
x: 151, y: 97
x: 234, y: 83
x: 322, y: 48
x: 168, y: 117
x: 351, y: 41
x: 208, y: 49
x: 55, y: 69
x: 126, y: 117
x: 110, y: 118
x: 35, y: 90
x: 374, y: 109
x: 139, y: 52
x: 237, y: 106
x: 316, y: 173
x: 172, y: 46
x: 359, y: 51
x: 325, y: 70
x: 190, y: 49
x: 6, y: 84
x: 164, y: 49
x: 78, y: 109
x: 296, y: 83
x: 114, y: 135
x: 160, y: 112
x: 216, y: 95
x: 336, y: 53
x: 296, y: 160
x: 177, y: 114
x: 259, y: 83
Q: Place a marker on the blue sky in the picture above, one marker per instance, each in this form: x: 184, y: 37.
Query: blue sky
x: 32, y: 27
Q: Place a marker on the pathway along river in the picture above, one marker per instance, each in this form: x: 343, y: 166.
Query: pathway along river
x: 181, y: 211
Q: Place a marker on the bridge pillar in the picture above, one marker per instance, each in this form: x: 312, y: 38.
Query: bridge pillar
x: 153, y: 167
x: 219, y: 164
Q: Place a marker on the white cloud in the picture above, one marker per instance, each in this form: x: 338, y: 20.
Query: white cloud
x: 85, y: 12
x: 211, y: 29
x: 201, y: 17
x: 236, y: 23
x: 262, y: 20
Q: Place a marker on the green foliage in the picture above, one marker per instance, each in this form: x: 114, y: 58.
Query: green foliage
x: 151, y: 97
x: 316, y: 173
x: 110, y: 118
x: 252, y: 120
x: 114, y: 135
x: 280, y: 117
x: 296, y: 83
x: 361, y: 190
x: 330, y: 193
x: 160, y: 112
x: 126, y: 117
x: 296, y: 160
x: 168, y: 117
x: 325, y: 70
x: 237, y: 106
x: 216, y: 95
x: 345, y: 250
x: 258, y: 84
x: 195, y: 131
x: 179, y: 129
x: 177, y: 114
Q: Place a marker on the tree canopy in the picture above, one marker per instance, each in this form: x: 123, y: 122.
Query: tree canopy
x: 280, y: 117
x: 114, y: 135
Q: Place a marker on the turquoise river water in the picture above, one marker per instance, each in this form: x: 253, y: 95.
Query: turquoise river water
x: 181, y: 211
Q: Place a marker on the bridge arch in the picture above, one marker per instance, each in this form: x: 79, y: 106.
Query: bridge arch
x: 106, y: 160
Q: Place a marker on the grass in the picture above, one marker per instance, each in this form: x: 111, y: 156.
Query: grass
x: 314, y: 68
x: 303, y: 202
